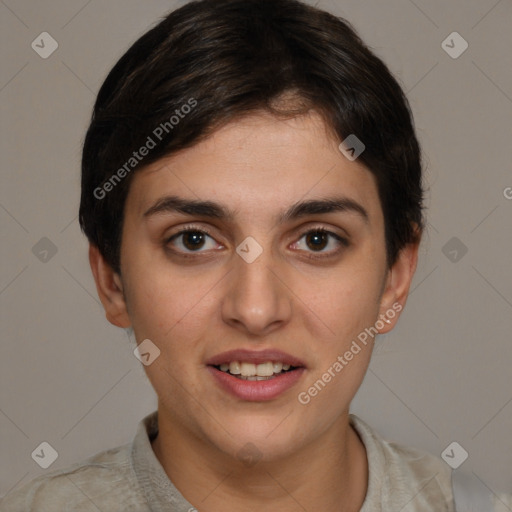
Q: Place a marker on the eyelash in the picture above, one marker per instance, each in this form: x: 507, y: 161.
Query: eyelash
x: 318, y: 230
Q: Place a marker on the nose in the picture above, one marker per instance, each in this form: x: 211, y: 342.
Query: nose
x: 257, y: 301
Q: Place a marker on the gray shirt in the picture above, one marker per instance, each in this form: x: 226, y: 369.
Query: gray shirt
x: 130, y: 478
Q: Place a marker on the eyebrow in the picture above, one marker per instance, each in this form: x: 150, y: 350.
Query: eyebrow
x: 210, y: 209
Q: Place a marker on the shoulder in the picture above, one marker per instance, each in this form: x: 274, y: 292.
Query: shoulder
x: 403, y: 478
x: 94, y: 483
x: 411, y: 480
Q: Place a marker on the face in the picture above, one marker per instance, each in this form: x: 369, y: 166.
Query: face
x: 256, y: 276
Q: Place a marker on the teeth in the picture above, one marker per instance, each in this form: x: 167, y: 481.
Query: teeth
x: 265, y: 369
x: 250, y: 371
x: 234, y: 368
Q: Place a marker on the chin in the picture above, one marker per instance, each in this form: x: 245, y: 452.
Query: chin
x: 264, y: 441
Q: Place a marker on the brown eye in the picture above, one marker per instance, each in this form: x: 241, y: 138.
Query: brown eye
x: 316, y: 240
x: 193, y: 240
x: 190, y: 241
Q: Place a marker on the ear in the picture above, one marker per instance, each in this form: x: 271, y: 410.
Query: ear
x: 396, y: 289
x: 110, y: 289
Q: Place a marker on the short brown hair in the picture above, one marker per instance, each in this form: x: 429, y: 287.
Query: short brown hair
x: 231, y: 58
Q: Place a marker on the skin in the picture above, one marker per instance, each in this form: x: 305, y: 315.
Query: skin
x: 192, y: 309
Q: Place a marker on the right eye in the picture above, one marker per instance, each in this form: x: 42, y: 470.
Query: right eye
x: 189, y: 240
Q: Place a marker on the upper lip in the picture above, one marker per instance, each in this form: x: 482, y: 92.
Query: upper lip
x: 255, y: 357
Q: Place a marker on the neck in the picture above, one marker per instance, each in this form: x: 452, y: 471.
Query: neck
x: 329, y: 474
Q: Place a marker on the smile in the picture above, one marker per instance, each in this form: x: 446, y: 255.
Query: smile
x: 250, y: 371
x: 255, y: 376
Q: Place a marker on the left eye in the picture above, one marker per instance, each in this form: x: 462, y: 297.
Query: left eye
x: 193, y: 240
x: 318, y: 239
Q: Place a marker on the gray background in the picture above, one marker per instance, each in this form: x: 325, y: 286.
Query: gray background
x: 444, y: 374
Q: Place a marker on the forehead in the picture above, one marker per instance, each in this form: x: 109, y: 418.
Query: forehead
x: 257, y: 167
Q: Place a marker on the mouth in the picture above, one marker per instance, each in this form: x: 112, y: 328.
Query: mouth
x: 249, y: 371
x: 255, y: 376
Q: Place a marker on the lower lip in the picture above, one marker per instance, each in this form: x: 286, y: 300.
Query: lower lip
x: 256, y: 390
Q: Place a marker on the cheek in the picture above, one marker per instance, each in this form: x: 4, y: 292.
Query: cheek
x: 157, y: 297
x: 342, y: 358
x: 170, y: 313
x: 175, y: 312
x: 349, y: 306
x: 346, y: 303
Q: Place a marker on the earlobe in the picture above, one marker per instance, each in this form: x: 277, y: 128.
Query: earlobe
x: 397, y: 286
x: 110, y: 289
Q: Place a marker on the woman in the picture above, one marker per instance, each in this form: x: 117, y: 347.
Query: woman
x: 251, y: 192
